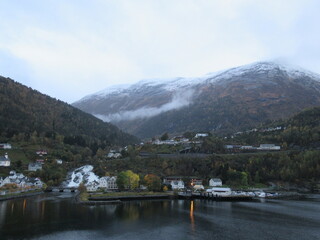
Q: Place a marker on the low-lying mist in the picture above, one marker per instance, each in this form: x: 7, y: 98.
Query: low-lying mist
x: 179, y: 100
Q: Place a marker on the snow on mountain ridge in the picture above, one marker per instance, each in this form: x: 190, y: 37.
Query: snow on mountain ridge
x: 174, y: 84
x: 262, y: 67
x: 170, y: 84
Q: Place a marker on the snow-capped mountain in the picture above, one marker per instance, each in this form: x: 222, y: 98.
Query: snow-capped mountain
x: 144, y: 99
x: 222, y: 101
x: 83, y: 174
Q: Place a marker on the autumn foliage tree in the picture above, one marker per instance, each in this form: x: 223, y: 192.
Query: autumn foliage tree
x: 153, y: 182
x: 128, y: 180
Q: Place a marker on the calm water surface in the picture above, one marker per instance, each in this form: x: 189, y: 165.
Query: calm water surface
x: 56, y: 216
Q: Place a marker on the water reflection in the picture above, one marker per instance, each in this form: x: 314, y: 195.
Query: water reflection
x: 58, y: 217
x: 12, y: 207
x: 191, y: 215
x: 43, y: 207
x: 24, y: 206
x: 3, y: 207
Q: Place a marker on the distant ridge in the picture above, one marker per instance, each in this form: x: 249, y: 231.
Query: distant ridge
x: 221, y: 102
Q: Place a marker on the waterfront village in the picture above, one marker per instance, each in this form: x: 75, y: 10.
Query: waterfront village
x: 18, y: 182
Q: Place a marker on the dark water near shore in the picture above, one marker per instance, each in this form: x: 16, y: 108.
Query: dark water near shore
x: 56, y: 216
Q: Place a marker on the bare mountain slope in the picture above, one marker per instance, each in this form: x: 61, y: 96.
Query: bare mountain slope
x: 223, y: 102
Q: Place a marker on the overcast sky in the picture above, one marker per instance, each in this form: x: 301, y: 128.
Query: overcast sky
x: 70, y: 48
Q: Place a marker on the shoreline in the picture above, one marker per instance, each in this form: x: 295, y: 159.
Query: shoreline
x: 104, y: 200
x: 22, y: 195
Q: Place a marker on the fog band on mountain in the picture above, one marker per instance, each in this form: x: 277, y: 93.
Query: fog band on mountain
x: 179, y: 100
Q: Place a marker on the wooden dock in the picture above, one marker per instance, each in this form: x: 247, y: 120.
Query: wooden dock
x: 210, y: 196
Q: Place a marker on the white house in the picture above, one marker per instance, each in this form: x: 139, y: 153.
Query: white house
x: 198, y: 135
x: 112, y: 183
x: 103, y: 182
x: 114, y: 154
x: 5, y: 146
x: 5, y: 161
x: 108, y: 183
x: 175, y: 182
x: 92, y: 186
x: 215, y: 182
x: 268, y: 147
x: 41, y: 152
x: 59, y: 161
x: 165, y: 142
x: 34, y: 166
x: 247, y: 148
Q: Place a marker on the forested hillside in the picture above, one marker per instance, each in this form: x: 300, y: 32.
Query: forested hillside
x: 298, y: 162
x: 300, y: 132
x: 24, y: 111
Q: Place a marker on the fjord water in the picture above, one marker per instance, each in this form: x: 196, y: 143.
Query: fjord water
x: 56, y: 216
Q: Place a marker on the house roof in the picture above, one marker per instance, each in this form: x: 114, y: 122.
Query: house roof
x: 216, y: 179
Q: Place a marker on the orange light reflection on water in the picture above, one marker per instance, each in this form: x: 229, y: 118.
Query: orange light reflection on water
x: 191, y: 215
x: 24, y: 206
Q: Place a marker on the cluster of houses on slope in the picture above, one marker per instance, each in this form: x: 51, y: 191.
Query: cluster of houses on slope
x: 262, y: 130
x: 5, y: 161
x: 262, y: 147
x: 180, y: 140
x: 37, y: 165
x: 21, y: 181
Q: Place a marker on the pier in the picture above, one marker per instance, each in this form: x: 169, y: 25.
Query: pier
x: 213, y: 197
